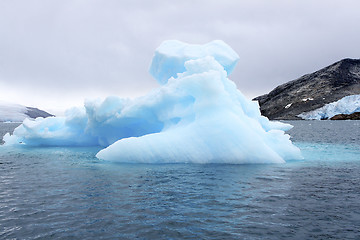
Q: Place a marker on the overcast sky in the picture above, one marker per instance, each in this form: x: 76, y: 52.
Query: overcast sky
x: 54, y: 54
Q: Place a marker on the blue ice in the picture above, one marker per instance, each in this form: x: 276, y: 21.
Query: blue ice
x: 196, y: 115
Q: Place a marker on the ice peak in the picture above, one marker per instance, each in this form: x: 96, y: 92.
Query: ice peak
x: 171, y: 55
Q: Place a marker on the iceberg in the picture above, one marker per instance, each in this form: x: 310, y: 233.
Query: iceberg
x: 196, y: 115
x: 346, y: 105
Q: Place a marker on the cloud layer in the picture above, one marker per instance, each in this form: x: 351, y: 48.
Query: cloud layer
x: 56, y: 53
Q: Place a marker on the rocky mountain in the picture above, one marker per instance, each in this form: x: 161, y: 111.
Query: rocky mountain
x: 312, y: 91
x: 10, y: 112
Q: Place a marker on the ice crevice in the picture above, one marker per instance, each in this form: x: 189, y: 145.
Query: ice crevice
x: 196, y: 115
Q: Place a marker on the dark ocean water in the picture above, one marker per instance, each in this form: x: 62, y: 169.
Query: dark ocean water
x: 66, y: 193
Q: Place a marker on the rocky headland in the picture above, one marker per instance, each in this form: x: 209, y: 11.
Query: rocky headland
x: 312, y: 91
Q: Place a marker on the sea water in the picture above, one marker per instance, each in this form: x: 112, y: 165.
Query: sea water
x: 67, y: 193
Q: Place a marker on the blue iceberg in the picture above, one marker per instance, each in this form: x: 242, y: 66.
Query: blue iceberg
x: 196, y: 115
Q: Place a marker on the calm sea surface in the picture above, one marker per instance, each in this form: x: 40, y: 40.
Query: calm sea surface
x: 66, y: 193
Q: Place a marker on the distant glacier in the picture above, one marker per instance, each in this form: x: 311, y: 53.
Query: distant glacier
x: 11, y: 112
x: 345, y: 105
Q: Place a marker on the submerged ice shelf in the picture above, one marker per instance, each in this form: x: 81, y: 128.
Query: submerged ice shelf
x: 196, y: 115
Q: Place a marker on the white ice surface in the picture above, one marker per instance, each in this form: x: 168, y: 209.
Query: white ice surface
x: 171, y: 55
x: 346, y: 105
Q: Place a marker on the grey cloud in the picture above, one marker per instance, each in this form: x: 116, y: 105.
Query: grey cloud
x: 81, y: 48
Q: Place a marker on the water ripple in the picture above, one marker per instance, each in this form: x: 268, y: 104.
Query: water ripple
x: 66, y: 193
